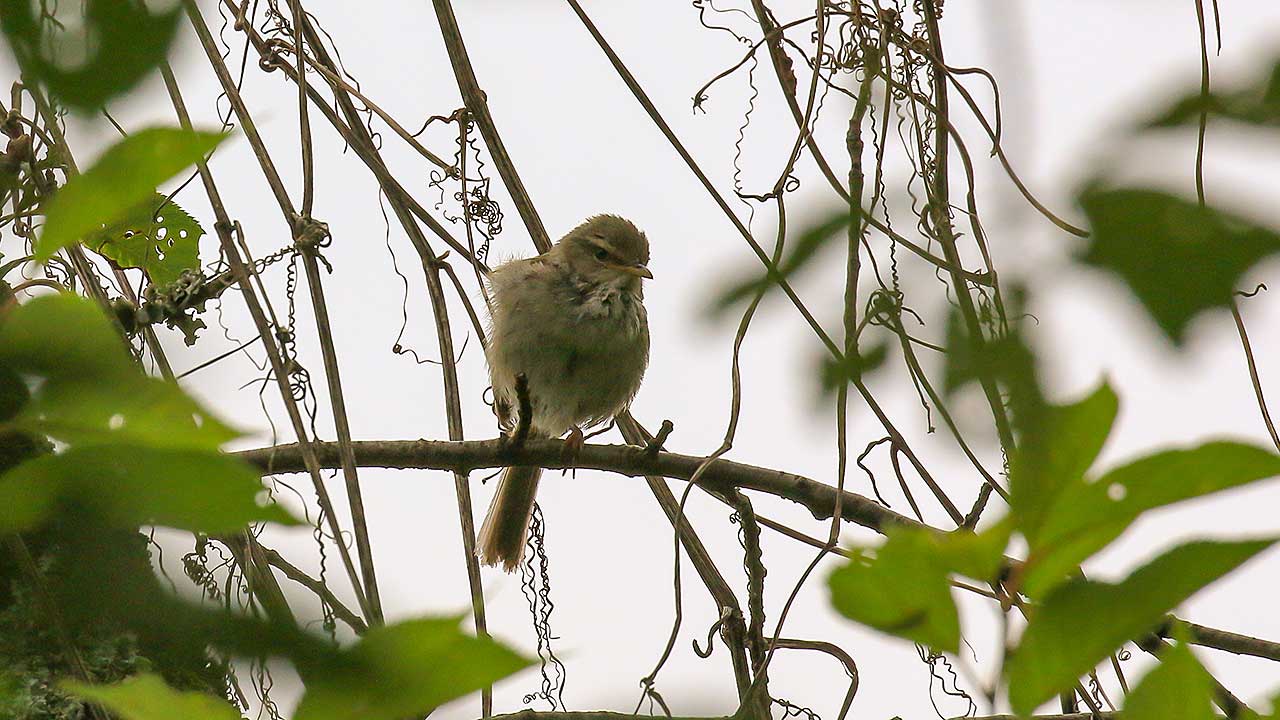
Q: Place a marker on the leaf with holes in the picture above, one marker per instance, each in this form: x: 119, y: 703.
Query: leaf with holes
x: 156, y: 235
x: 1178, y: 259
x: 124, y: 176
x: 94, y: 51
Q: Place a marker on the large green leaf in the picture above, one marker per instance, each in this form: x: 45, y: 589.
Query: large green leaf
x: 1088, y: 516
x: 1178, y: 259
x: 1177, y: 689
x: 147, y: 697
x: 405, y: 670
x: 1081, y: 622
x: 903, y: 588
x: 94, y: 392
x: 93, y: 58
x: 127, y: 486
x: 126, y: 175
x: 799, y: 253
x: 1256, y: 105
x: 63, y: 337
x: 156, y: 235
x: 133, y: 409
x: 1056, y: 459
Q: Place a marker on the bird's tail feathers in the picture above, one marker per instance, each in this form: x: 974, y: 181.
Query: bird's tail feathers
x: 502, y: 535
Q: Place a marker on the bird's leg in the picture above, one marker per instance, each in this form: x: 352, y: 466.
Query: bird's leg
x: 572, y: 446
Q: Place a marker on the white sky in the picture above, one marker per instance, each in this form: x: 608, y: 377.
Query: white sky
x: 1074, y: 75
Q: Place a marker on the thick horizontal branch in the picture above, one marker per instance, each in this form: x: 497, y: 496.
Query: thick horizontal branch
x: 819, y: 498
x: 464, y: 456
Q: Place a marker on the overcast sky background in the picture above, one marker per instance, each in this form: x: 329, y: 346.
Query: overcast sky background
x: 1074, y: 74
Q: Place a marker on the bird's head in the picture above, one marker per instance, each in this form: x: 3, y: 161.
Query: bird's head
x: 607, y: 249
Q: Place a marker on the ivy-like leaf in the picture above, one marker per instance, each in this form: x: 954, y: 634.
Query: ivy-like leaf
x: 85, y: 65
x: 404, y: 670
x: 147, y: 697
x: 156, y: 235
x: 1178, y: 259
x: 1176, y: 689
x: 124, y: 176
x: 127, y: 486
x: 903, y: 588
x: 1088, y: 516
x: 1081, y: 622
x: 800, y: 252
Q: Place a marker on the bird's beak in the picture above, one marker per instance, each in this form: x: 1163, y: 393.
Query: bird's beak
x: 638, y: 270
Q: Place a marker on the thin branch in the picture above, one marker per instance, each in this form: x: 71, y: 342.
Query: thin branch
x: 478, y: 106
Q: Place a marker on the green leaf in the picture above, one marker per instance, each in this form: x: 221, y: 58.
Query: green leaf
x: 63, y: 336
x: 13, y: 393
x: 801, y: 251
x: 1088, y: 516
x: 404, y: 670
x: 127, y: 486
x: 1177, y: 689
x: 904, y: 587
x: 147, y: 697
x: 156, y: 235
x: 1057, y: 457
x: 126, y: 174
x: 1177, y: 258
x: 97, y: 56
x: 132, y: 409
x: 1081, y: 622
x: 1257, y: 105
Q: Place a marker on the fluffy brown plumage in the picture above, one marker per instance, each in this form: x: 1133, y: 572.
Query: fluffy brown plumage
x: 573, y: 321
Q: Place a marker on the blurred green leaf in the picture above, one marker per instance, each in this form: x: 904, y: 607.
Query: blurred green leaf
x: 133, y: 409
x: 903, y: 588
x: 125, y: 175
x: 1176, y: 689
x: 405, y: 670
x: 147, y: 697
x: 63, y: 337
x: 1088, y: 516
x: 798, y: 254
x: 94, y: 392
x: 92, y: 58
x: 1177, y: 258
x: 835, y: 373
x: 156, y: 235
x: 1057, y: 458
x: 13, y: 393
x: 127, y: 486
x: 1083, y: 621
x: 1257, y: 105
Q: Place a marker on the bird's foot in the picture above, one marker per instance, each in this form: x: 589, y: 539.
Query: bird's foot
x: 572, y: 447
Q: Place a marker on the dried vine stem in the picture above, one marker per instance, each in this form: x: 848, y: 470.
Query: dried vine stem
x: 366, y: 594
x: 478, y: 106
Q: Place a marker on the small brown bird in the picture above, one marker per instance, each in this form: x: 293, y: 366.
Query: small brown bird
x: 572, y: 320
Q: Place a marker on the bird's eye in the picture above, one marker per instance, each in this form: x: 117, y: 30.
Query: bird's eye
x: 602, y: 254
